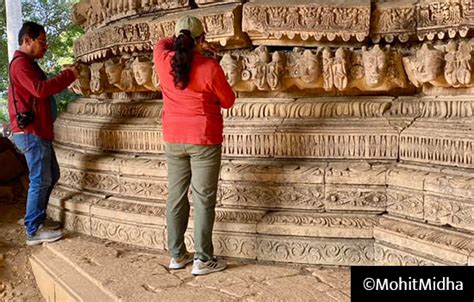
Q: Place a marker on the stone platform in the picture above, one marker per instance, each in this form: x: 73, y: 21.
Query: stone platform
x: 87, y: 269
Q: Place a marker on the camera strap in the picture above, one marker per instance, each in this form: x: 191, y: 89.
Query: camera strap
x: 13, y: 86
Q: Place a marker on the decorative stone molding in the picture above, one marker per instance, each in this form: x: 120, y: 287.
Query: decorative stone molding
x: 128, y: 233
x: 221, y: 23
x: 204, y: 3
x: 444, y: 66
x: 387, y: 255
x: 92, y: 14
x: 355, y: 198
x: 321, y: 69
x: 305, y: 22
x: 443, y: 18
x: 263, y: 196
x: 407, y: 203
x: 230, y: 245
x: 322, y: 251
x: 393, y: 19
x: 433, y: 241
x: 439, y: 142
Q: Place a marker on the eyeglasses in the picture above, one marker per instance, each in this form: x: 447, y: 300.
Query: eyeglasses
x: 42, y: 42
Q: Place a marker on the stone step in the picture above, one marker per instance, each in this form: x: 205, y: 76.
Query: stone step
x: 88, y: 269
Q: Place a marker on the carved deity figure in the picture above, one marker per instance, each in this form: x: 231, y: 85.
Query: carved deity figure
x: 457, y: 70
x: 275, y: 69
x: 142, y: 71
x: 375, y: 65
x: 97, y: 80
x: 255, y: 67
x: 113, y: 70
x: 328, y: 79
x: 308, y: 67
x: 339, y: 69
x: 426, y: 66
x: 232, y: 69
x: 82, y: 84
x: 155, y: 79
x: 463, y: 59
x: 450, y: 67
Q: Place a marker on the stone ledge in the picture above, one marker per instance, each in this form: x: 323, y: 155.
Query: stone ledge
x: 424, y: 239
x: 60, y: 280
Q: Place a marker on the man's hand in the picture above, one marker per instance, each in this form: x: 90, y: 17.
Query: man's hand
x: 210, y: 48
x: 75, y: 68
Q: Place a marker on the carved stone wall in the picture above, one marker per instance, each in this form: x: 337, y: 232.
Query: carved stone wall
x: 350, y: 143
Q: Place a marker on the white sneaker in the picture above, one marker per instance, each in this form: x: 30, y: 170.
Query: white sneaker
x: 211, y: 266
x: 44, y: 235
x: 177, y: 263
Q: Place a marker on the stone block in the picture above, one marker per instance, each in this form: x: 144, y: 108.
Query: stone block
x: 324, y: 225
x: 279, y: 23
x: 408, y: 203
x: 355, y: 198
x: 386, y: 254
x: 315, y: 251
x: 423, y: 239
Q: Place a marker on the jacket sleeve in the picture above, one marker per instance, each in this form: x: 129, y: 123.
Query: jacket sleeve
x: 161, y: 48
x: 33, y: 82
x: 222, y: 89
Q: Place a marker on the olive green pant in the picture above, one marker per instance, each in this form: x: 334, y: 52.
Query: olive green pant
x: 198, y: 166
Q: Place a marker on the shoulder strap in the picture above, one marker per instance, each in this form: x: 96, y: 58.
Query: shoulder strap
x: 11, y: 83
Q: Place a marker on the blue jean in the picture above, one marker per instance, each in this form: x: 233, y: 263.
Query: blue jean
x: 43, y: 174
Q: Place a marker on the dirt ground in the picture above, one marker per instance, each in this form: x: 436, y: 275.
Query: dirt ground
x: 17, y: 282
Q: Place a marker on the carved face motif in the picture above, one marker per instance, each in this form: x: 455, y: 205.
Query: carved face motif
x: 428, y: 64
x: 142, y: 72
x: 232, y: 69
x: 309, y: 66
x: 375, y: 65
x: 113, y: 72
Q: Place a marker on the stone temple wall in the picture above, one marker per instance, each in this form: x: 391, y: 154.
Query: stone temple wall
x: 350, y: 143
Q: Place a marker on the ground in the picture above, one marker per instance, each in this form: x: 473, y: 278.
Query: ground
x: 17, y: 282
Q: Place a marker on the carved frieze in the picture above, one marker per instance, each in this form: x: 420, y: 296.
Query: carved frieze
x: 434, y: 240
x: 117, y: 110
x: 203, y: 3
x: 321, y: 251
x: 274, y: 196
x: 305, y: 22
x: 355, y: 198
x: 455, y: 212
x: 128, y: 233
x: 92, y: 14
x: 221, y: 24
x: 408, y: 203
x: 323, y: 69
x: 443, y: 18
x: 228, y: 244
x: 439, y: 142
x: 317, y: 225
x: 387, y: 255
x: 393, y: 19
x: 447, y: 65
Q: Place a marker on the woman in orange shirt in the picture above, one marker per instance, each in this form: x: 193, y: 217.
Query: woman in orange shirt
x: 194, y: 90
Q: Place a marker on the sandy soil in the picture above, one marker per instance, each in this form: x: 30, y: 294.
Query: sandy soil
x: 17, y: 282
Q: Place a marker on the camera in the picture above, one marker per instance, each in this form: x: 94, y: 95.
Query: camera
x: 23, y: 119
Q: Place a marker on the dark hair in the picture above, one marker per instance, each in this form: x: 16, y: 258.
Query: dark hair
x: 31, y: 30
x: 182, y: 59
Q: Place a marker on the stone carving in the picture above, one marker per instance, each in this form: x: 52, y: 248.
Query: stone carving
x: 351, y: 198
x: 214, y: 2
x: 144, y: 74
x: 436, y: 18
x: 343, y: 70
x: 144, y: 109
x: 295, y: 24
x: 141, y: 35
x: 323, y: 251
x: 425, y: 66
x: 97, y: 82
x: 93, y: 13
x: 384, y: 255
x: 458, y: 64
x: 231, y: 245
x: 404, y: 202
x: 390, y: 20
x: 82, y: 84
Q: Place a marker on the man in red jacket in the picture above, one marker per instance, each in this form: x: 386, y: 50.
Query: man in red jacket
x: 31, y: 107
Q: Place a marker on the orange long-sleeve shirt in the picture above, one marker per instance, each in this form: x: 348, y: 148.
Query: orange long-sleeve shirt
x: 192, y: 115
